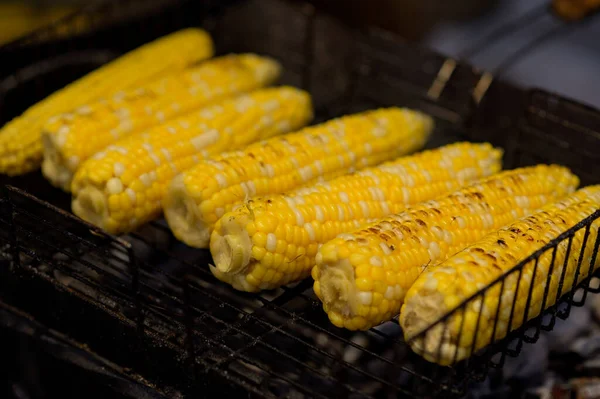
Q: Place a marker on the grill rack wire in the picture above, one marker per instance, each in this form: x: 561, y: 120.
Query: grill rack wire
x: 149, y: 303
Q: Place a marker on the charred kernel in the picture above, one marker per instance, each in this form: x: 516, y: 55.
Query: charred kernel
x: 476, y: 269
x: 319, y: 207
x: 462, y: 221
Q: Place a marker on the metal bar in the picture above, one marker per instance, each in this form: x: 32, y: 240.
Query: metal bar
x: 476, y: 332
x: 564, y: 314
x: 578, y: 269
x: 500, y: 294
x: 442, y: 78
x: 546, y: 290
x: 527, y: 338
x: 459, y: 336
x: 14, y: 242
x: 510, y: 318
x: 593, y: 262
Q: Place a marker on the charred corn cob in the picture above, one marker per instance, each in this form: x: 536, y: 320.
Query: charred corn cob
x: 441, y: 288
x: 70, y: 139
x: 272, y: 241
x: 200, y: 196
x: 362, y: 277
x: 122, y: 187
x: 20, y: 139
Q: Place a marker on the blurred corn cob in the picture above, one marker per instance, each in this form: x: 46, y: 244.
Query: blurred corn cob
x: 573, y: 10
x: 362, y: 277
x: 20, y: 139
x: 122, y: 187
x: 200, y: 196
x: 70, y: 139
x: 441, y: 288
x: 273, y: 241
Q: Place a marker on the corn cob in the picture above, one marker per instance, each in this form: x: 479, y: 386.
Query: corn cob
x: 273, y: 241
x: 441, y: 288
x: 20, y: 139
x: 362, y: 277
x: 122, y: 187
x: 70, y: 139
x: 200, y: 196
x: 573, y: 10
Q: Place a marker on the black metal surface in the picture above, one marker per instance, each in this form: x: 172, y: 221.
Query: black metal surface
x: 47, y: 364
x: 149, y: 303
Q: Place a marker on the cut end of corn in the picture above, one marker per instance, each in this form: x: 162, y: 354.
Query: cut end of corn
x: 389, y: 255
x: 182, y: 214
x: 282, y: 164
x: 70, y: 139
x: 337, y: 290
x: 232, y: 248
x: 286, y: 230
x: 91, y: 205
x: 442, y: 288
x: 20, y: 139
x: 135, y: 173
x: 55, y: 164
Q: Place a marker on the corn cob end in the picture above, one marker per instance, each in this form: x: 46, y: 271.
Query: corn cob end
x: 90, y: 205
x: 183, y: 217
x: 231, y: 247
x: 336, y: 289
x: 57, y: 170
x: 434, y: 346
x: 266, y: 69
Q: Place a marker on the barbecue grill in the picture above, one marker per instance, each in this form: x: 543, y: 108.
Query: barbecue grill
x: 145, y: 309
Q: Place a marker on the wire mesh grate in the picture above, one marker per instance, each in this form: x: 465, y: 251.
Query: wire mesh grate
x: 150, y: 302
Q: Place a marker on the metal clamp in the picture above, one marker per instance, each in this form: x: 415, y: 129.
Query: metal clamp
x: 444, y: 74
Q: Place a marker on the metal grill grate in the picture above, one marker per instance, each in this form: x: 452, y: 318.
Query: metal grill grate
x: 149, y: 303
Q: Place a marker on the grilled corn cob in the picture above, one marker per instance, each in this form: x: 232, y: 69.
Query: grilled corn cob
x: 362, y: 277
x: 200, y: 196
x: 70, y: 139
x: 575, y: 9
x: 122, y: 187
x: 20, y: 139
x: 273, y: 241
x: 441, y: 288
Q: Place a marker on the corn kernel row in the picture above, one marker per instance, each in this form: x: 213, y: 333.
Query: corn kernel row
x: 441, y: 288
x: 20, y: 139
x: 362, y: 277
x: 200, y: 196
x: 71, y: 138
x: 122, y: 187
x: 273, y: 241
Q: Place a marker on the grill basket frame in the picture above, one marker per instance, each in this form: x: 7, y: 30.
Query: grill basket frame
x: 178, y: 326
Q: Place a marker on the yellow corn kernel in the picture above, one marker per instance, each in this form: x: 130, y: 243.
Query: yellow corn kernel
x: 407, y: 242
x: 483, y: 262
x: 285, y: 163
x: 20, y: 139
x: 70, y: 139
x: 147, y: 161
x: 348, y: 201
